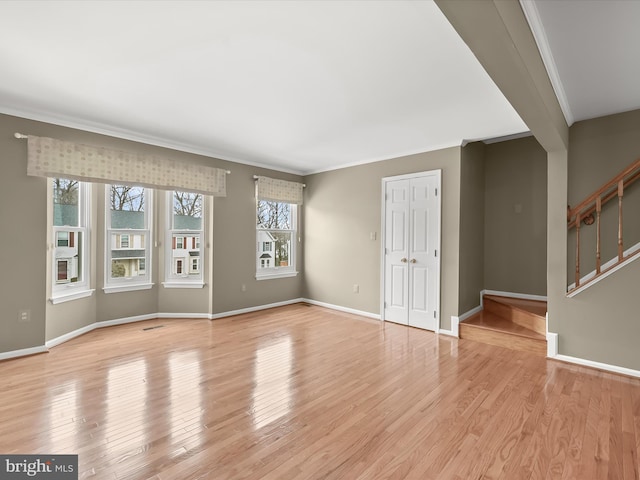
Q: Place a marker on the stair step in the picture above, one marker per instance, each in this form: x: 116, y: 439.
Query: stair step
x: 488, y: 327
x: 530, y: 314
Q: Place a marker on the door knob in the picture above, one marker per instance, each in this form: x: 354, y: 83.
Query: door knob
x: 413, y: 260
x: 403, y: 260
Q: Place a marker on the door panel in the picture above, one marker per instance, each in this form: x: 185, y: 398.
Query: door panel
x: 420, y: 237
x: 419, y: 281
x: 398, y: 287
x: 398, y: 232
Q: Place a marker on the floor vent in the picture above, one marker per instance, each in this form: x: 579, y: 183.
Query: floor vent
x: 152, y: 328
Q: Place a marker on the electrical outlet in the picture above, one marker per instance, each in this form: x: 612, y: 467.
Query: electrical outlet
x: 24, y: 316
x: 243, y: 288
x: 356, y: 288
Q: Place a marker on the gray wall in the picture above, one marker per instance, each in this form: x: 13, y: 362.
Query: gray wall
x: 472, y: 225
x: 23, y: 217
x: 601, y: 323
x: 230, y: 248
x: 343, y: 207
x: 515, y: 215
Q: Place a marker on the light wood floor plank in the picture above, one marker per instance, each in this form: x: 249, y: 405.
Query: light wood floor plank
x: 302, y: 392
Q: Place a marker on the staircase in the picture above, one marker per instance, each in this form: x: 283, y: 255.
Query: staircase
x: 588, y: 212
x: 509, y: 322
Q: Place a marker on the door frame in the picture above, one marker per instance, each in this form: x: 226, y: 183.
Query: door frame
x: 438, y: 174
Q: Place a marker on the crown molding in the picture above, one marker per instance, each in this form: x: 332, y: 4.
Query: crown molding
x: 540, y: 36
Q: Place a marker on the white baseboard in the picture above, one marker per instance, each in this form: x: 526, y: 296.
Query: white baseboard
x: 23, y: 352
x: 151, y: 316
x: 120, y: 321
x: 522, y: 296
x: 455, y: 322
x: 362, y: 313
x: 190, y: 316
x: 107, y: 323
x: 470, y: 313
x: 136, y: 318
x: 140, y: 318
x: 552, y: 345
x: 231, y: 313
x: 68, y: 336
x: 600, y: 366
x: 552, y: 352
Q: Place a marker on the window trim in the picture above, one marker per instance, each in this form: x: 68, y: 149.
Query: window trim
x: 67, y: 291
x: 291, y: 270
x: 140, y: 282
x: 71, y: 296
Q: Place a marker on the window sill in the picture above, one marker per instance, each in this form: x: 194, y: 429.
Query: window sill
x: 270, y: 276
x: 127, y: 288
x: 178, y: 284
x: 67, y: 297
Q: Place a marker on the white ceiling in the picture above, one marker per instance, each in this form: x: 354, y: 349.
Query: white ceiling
x: 297, y: 86
x: 590, y: 49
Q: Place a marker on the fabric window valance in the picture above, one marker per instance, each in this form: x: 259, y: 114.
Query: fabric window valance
x: 275, y: 190
x: 48, y: 157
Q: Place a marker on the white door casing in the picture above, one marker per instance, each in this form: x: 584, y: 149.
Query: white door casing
x: 411, y: 256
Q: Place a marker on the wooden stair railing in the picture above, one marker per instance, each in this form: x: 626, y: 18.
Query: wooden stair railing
x: 584, y: 213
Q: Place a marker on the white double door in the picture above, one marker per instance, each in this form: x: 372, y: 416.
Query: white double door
x: 412, y: 249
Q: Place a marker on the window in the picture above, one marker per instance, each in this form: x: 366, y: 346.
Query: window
x: 124, y: 241
x: 70, y: 214
x: 62, y: 239
x: 276, y: 235
x: 128, y: 238
x: 184, y: 236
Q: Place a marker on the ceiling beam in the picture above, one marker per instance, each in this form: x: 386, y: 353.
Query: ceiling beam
x: 499, y: 36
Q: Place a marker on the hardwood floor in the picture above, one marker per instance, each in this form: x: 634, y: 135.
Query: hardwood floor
x: 304, y: 392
